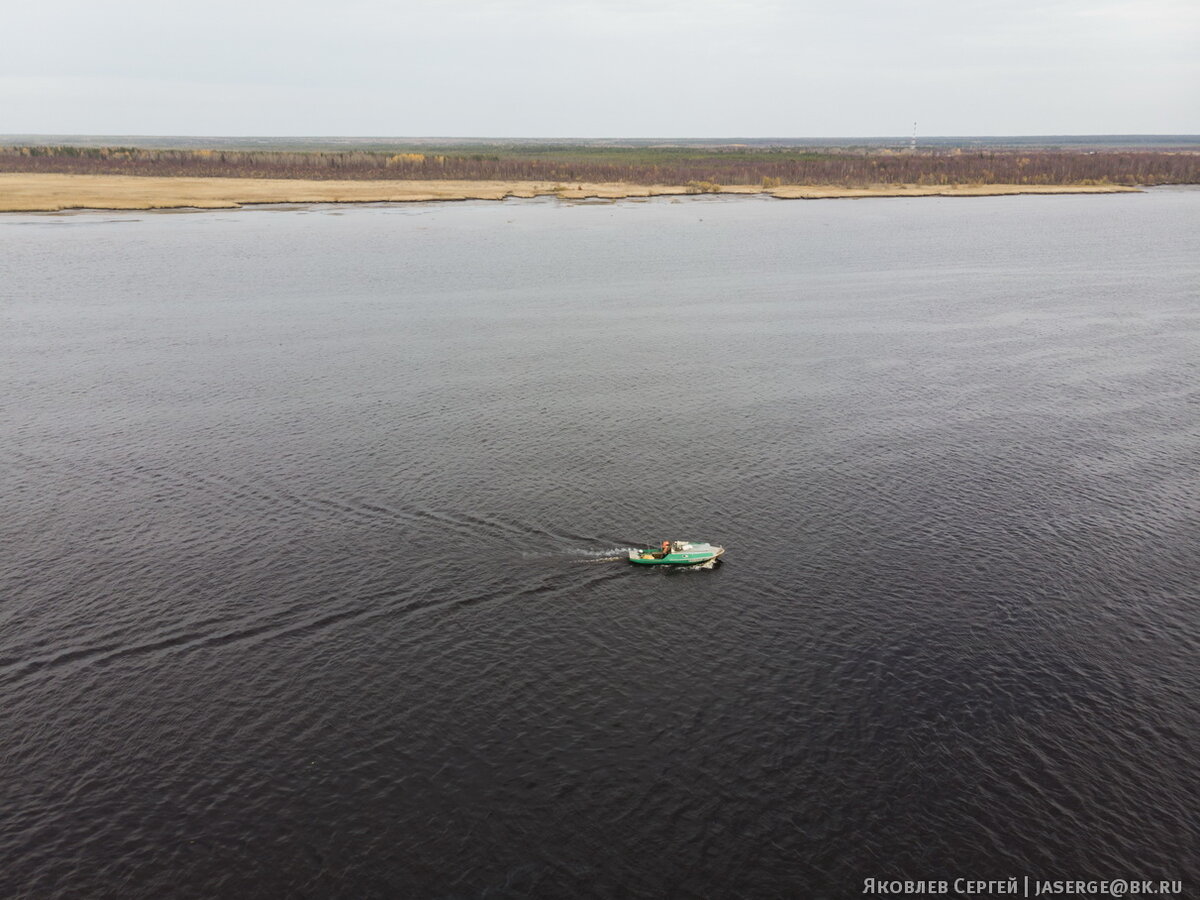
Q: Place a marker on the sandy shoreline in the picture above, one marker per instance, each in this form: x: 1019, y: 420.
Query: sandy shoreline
x: 21, y: 192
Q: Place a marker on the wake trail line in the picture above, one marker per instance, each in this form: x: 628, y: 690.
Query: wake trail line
x: 611, y: 554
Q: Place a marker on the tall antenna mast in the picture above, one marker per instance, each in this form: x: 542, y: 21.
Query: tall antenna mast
x: 913, y: 145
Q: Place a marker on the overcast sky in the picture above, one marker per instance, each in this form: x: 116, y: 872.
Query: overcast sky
x: 601, y: 68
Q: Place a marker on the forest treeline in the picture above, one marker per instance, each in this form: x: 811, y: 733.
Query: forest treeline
x: 565, y: 165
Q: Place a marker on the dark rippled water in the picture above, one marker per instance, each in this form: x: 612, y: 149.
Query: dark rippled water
x: 306, y: 514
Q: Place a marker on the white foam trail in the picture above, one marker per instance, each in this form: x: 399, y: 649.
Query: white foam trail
x: 612, y: 554
x: 615, y: 552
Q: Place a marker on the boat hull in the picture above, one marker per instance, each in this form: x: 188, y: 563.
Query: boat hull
x: 691, y: 556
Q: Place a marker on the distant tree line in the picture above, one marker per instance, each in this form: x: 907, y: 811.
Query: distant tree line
x: 769, y: 167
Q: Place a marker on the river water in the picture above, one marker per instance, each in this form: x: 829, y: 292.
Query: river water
x: 309, y: 515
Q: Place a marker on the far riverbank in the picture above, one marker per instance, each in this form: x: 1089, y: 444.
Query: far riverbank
x: 42, y: 192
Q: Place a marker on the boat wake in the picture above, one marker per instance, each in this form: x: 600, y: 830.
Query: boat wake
x: 613, y: 554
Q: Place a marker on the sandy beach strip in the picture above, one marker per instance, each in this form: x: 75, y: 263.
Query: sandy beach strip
x: 826, y: 191
x: 21, y: 192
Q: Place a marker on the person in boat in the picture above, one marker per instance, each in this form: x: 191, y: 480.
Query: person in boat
x: 666, y: 548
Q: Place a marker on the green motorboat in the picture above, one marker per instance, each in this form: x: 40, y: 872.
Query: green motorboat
x: 676, y: 553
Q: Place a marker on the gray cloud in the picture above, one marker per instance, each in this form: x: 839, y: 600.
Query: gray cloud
x: 602, y: 68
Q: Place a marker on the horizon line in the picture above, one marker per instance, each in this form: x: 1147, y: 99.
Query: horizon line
x: 482, y: 137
